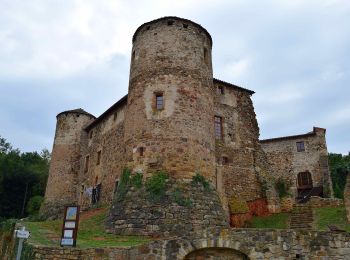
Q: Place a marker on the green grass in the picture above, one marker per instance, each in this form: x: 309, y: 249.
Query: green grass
x: 331, y: 216
x: 276, y: 221
x: 91, y: 233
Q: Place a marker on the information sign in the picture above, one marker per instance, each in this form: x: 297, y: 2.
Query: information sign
x: 70, y: 226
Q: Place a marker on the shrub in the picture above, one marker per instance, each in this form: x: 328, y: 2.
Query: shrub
x: 123, y: 185
x: 156, y: 185
x: 180, y: 199
x: 238, y: 206
x: 136, y: 180
x: 200, y: 179
x: 282, y: 188
x: 34, y: 204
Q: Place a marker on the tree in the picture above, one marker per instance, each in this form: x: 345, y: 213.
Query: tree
x: 339, y: 166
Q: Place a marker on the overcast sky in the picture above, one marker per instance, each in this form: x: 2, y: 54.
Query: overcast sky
x: 57, y: 55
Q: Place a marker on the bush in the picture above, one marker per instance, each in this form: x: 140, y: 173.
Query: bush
x: 180, y: 199
x: 123, y: 185
x: 238, y: 206
x: 136, y: 180
x: 156, y: 185
x: 34, y: 205
x: 282, y: 188
x: 200, y: 179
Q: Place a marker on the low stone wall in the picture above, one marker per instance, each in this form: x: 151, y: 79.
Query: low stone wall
x: 251, y: 244
x: 136, y: 214
x: 318, y: 202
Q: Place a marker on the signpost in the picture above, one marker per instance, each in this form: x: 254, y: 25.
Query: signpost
x: 21, y: 234
x: 70, y: 226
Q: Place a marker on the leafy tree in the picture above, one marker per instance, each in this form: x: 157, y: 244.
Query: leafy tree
x: 22, y: 176
x: 339, y: 166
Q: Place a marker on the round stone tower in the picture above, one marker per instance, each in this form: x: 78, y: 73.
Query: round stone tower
x: 170, y: 117
x: 65, y: 162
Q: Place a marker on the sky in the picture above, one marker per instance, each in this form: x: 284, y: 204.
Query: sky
x: 57, y: 55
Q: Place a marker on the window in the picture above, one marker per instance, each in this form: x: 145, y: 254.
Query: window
x: 205, y: 56
x: 159, y: 101
x: 87, y: 159
x: 218, y: 127
x: 170, y: 22
x: 141, y: 150
x: 115, y: 115
x: 133, y: 56
x: 224, y: 160
x: 98, y: 158
x: 300, y: 146
x: 304, y: 180
x: 90, y: 134
x: 220, y: 90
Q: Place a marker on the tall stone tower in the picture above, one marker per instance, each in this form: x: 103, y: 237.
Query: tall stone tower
x: 170, y: 111
x: 65, y: 161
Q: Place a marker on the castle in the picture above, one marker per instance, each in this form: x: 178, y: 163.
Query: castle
x: 178, y: 119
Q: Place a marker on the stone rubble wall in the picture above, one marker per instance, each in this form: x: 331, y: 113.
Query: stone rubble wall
x: 222, y: 244
x: 318, y: 202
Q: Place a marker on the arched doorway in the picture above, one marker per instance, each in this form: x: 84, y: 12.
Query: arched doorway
x: 216, y: 253
x: 304, y: 182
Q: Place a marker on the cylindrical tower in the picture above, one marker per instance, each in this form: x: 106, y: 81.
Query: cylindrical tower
x: 170, y: 116
x: 65, y: 162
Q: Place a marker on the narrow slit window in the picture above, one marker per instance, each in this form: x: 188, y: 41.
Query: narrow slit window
x: 218, y: 127
x: 90, y: 134
x: 220, y: 90
x: 159, y: 101
x: 224, y: 160
x: 87, y: 159
x: 300, y: 146
x: 141, y: 151
x: 98, y: 162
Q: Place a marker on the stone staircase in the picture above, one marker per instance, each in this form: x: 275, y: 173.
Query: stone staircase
x: 301, y: 217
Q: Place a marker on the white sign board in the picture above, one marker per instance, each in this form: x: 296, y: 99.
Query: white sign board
x: 22, y: 234
x: 67, y: 241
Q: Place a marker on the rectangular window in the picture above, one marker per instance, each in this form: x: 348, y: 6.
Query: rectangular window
x: 218, y: 127
x: 90, y: 134
x: 300, y: 146
x: 141, y: 151
x: 220, y: 90
x: 159, y: 101
x: 87, y: 159
x: 98, y: 158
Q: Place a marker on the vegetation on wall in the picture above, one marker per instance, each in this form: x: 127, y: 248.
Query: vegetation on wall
x: 156, y: 185
x: 123, y: 185
x: 200, y: 179
x: 22, y: 177
x: 339, y: 166
x: 238, y: 206
x: 282, y: 188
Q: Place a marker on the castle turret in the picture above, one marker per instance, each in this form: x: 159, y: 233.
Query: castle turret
x: 170, y: 116
x: 65, y: 162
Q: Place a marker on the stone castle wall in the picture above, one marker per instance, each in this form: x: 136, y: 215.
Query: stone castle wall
x: 287, y: 162
x: 64, y: 167
x: 171, y: 57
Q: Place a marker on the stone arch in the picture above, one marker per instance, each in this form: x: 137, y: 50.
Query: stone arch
x: 219, y: 247
x: 216, y: 253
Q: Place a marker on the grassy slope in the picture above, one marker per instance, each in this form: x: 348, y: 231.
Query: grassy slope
x: 331, y: 216
x: 279, y: 221
x: 91, y: 233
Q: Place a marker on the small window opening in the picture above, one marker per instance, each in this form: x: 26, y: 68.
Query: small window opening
x: 116, y: 186
x: 300, y: 146
x: 115, y: 115
x: 87, y: 159
x: 220, y: 90
x: 133, y: 55
x: 90, y: 134
x: 159, y: 101
x: 170, y: 22
x: 218, y: 127
x: 205, y: 56
x: 98, y: 158
x: 224, y: 160
x: 142, y: 151
x: 185, y: 25
x: 148, y: 27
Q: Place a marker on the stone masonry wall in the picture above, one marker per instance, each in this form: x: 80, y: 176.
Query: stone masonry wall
x: 287, y: 162
x: 224, y: 244
x: 64, y: 167
x: 171, y: 56
x: 106, y: 138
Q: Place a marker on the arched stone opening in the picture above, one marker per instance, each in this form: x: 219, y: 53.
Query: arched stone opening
x: 216, y: 253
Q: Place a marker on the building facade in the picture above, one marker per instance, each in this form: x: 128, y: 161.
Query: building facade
x: 176, y: 118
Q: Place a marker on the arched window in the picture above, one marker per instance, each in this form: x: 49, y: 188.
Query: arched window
x: 304, y: 180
